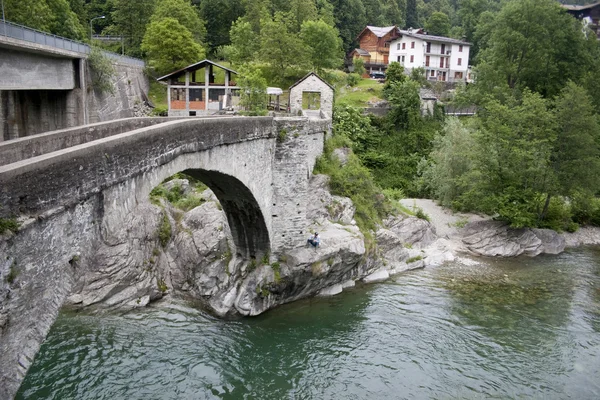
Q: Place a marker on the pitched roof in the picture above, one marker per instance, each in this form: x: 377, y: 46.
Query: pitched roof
x: 194, y: 67
x: 378, y: 31
x: 309, y: 74
x: 362, y: 52
x: 433, y: 38
x: 571, y: 7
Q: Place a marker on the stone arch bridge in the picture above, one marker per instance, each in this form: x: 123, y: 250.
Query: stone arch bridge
x: 258, y: 167
x: 73, y: 188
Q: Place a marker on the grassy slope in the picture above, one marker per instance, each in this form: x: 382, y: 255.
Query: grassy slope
x: 358, y: 96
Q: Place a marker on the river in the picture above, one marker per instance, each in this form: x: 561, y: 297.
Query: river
x: 519, y: 328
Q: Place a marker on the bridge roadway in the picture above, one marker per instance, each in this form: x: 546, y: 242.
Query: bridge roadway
x: 259, y: 179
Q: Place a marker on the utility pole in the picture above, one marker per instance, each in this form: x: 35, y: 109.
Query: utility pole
x: 91, y: 29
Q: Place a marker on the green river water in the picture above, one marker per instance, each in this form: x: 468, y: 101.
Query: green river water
x: 521, y: 328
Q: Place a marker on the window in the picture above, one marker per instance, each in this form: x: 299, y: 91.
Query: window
x: 399, y: 59
x: 403, y: 46
x: 443, y: 49
x: 432, y: 72
x: 460, y: 61
x: 402, y: 59
x: 428, y: 47
x: 460, y: 48
x: 442, y: 62
x: 398, y: 46
x: 427, y: 61
x: 386, y: 45
x: 412, y: 59
x: 412, y: 45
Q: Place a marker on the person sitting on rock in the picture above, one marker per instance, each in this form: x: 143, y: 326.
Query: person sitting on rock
x: 314, y: 240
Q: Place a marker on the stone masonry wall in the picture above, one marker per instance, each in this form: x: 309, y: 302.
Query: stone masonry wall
x: 300, y: 142
x: 312, y: 83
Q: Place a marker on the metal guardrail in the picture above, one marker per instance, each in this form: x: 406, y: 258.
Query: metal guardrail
x: 21, y: 32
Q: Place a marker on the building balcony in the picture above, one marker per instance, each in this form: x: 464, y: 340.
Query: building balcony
x: 438, y: 53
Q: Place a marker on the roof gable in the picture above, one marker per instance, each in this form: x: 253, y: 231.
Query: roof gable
x: 306, y: 76
x: 194, y: 67
x: 432, y: 38
x: 377, y: 30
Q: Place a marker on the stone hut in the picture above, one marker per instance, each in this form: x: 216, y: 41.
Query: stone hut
x: 311, y: 95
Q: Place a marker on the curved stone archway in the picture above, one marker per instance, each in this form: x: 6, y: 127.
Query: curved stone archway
x: 246, y: 221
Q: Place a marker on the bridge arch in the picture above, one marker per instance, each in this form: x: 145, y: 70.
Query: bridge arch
x: 245, y: 218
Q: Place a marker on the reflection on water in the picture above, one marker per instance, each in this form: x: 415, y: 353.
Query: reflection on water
x: 522, y: 328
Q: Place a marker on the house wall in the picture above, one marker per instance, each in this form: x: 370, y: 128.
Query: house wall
x: 311, y: 84
x: 419, y: 53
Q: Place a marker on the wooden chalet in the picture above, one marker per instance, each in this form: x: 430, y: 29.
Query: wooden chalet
x: 374, y: 46
x: 200, y: 89
x: 589, y: 13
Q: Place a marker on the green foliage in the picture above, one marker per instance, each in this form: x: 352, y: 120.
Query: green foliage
x: 394, y: 194
x: 245, y: 43
x: 394, y: 73
x: 541, y: 53
x: 438, y: 24
x: 353, y: 180
x: 164, y: 230
x: 186, y: 14
x: 177, y: 197
x: 266, y: 258
x: 103, y: 71
x: 276, y: 271
x: 52, y: 16
x: 418, y: 75
x: 252, y: 266
x: 281, y: 136
x: 13, y: 272
x: 161, y: 284
x: 9, y: 224
x: 253, y: 89
x: 412, y: 17
x: 130, y: 20
x: 405, y: 103
x: 323, y: 43
x: 359, y: 66
x: 419, y: 213
x: 414, y: 259
x: 281, y: 46
x: 353, y: 79
x: 170, y: 46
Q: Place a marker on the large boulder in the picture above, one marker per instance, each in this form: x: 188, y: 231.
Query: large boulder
x: 498, y: 239
x: 305, y: 271
x: 323, y: 206
x: 412, y: 231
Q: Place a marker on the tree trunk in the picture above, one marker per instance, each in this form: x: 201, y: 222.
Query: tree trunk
x: 545, y: 210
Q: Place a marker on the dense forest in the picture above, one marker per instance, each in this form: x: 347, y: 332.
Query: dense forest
x: 531, y: 156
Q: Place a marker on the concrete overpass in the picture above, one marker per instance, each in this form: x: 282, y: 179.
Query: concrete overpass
x: 47, y: 84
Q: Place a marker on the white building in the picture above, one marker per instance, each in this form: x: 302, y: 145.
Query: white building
x: 444, y: 59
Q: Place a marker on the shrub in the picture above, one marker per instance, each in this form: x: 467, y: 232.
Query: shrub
x: 353, y: 79
x: 10, y: 224
x: 164, y: 230
x: 102, y: 71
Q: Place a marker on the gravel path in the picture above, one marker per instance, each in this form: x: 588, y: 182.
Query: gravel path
x: 445, y: 221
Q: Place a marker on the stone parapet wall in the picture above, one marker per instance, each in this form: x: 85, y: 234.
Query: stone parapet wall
x: 36, y: 145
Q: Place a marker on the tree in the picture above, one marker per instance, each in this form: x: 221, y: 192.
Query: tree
x: 65, y: 22
x: 302, y: 11
x: 170, y: 46
x: 186, y: 14
x: 323, y: 43
x: 52, y: 16
x: 576, y: 155
x: 405, y: 103
x: 280, y: 46
x: 359, y: 66
x: 245, y: 43
x: 438, y: 24
x: 130, y: 21
x: 350, y: 20
x: 534, y: 44
x: 412, y: 16
x: 219, y: 16
x: 253, y: 89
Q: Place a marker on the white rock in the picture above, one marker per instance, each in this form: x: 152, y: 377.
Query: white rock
x: 331, y: 290
x: 348, y: 284
x: 377, y: 276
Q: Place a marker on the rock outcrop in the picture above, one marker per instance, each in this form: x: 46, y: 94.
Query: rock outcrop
x: 497, y: 239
